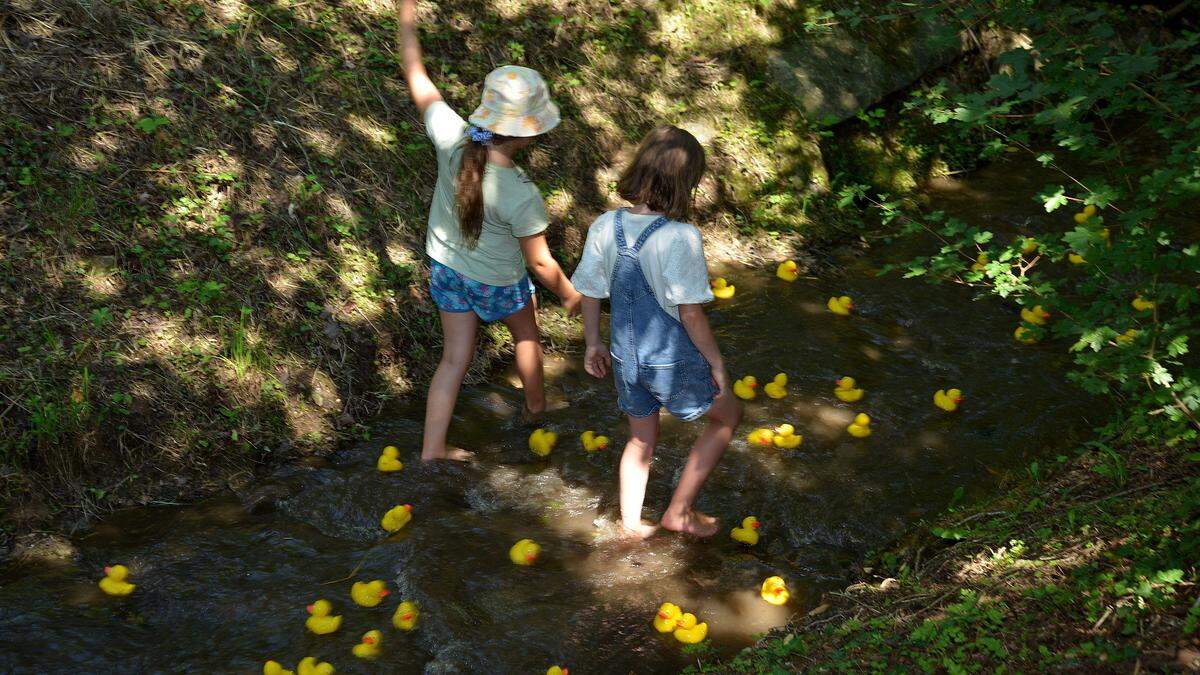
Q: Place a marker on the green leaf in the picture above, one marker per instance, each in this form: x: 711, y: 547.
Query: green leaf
x: 149, y: 125
x: 1053, y: 200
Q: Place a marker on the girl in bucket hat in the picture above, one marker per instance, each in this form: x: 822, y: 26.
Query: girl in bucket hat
x: 486, y: 225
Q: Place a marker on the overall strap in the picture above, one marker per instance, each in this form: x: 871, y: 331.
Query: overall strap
x: 650, y: 229
x: 618, y: 229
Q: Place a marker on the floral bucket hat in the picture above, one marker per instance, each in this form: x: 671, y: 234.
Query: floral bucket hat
x: 516, y: 102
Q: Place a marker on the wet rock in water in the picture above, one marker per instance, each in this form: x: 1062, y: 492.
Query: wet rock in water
x: 43, y: 548
x: 266, y: 498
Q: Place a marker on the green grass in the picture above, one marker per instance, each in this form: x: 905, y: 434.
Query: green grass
x: 1082, y: 570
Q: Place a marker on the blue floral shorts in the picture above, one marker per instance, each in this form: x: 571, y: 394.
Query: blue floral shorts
x: 453, y: 292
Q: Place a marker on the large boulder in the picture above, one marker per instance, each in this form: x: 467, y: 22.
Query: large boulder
x: 834, y: 73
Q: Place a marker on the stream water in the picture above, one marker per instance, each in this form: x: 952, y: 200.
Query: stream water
x: 222, y: 587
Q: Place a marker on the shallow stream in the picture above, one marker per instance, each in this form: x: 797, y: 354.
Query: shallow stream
x: 223, y: 584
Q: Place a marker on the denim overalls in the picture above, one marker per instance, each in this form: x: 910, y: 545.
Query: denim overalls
x: 655, y: 363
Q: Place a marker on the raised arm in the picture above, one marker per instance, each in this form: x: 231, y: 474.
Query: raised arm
x: 546, y: 269
x: 424, y: 92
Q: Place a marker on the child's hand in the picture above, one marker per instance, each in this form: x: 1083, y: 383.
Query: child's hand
x: 721, y: 378
x: 597, y: 360
x: 571, y: 303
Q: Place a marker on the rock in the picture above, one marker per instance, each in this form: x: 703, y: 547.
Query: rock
x: 43, y: 548
x: 888, y: 584
x: 321, y: 389
x: 834, y: 74
x: 265, y: 498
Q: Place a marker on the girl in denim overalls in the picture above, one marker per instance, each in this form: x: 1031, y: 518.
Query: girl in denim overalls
x: 486, y: 224
x: 663, y: 353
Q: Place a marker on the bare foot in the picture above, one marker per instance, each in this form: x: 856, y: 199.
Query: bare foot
x: 531, y: 418
x: 692, y: 522
x: 639, y: 531
x: 452, y: 453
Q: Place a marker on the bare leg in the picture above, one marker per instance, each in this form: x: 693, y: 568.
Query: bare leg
x: 635, y: 472
x: 458, y: 348
x: 527, y: 343
x: 723, y: 418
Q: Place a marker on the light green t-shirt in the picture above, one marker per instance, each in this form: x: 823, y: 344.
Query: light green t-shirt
x: 512, y: 208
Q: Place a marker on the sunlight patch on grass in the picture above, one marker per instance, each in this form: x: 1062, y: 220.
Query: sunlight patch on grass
x: 374, y: 132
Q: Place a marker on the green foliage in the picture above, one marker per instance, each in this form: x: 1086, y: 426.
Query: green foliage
x: 1060, y: 101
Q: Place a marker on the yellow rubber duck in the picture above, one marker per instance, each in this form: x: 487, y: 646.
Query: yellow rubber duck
x: 788, y: 270
x: 1086, y: 214
x: 557, y: 670
x: 1029, y: 246
x: 981, y: 262
x: 368, y: 593
x: 275, y: 668
x: 722, y: 289
x: 1025, y: 335
x: 947, y: 400
x: 406, y: 616
x: 744, y: 388
x: 114, y: 582
x: 389, y: 460
x: 761, y: 437
x: 777, y: 388
x: 689, y: 631
x: 593, y: 441
x: 310, y: 666
x: 747, y: 533
x: 1035, y: 315
x: 667, y: 618
x: 786, y: 437
x: 396, y: 518
x: 524, y: 552
x: 1128, y: 336
x: 775, y: 591
x: 1141, y: 304
x: 1075, y: 258
x: 842, y: 306
x: 861, y: 426
x: 846, y: 390
x: 541, y: 442
x: 369, y: 647
x: 320, y: 621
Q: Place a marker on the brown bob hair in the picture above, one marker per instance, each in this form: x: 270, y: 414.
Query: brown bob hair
x: 667, y: 167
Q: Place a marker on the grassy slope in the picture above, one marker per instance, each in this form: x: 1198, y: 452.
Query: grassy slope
x: 1088, y: 569
x: 212, y: 212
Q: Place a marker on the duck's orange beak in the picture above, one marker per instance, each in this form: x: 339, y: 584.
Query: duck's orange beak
x: 309, y: 609
x: 531, y: 557
x: 958, y: 399
x: 408, y: 507
x: 755, y: 524
x: 369, y: 640
x: 753, y: 385
x: 108, y: 569
x: 384, y: 593
x: 663, y: 615
x: 406, y: 617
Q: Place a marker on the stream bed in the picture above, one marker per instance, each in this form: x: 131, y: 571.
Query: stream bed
x: 223, y: 584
